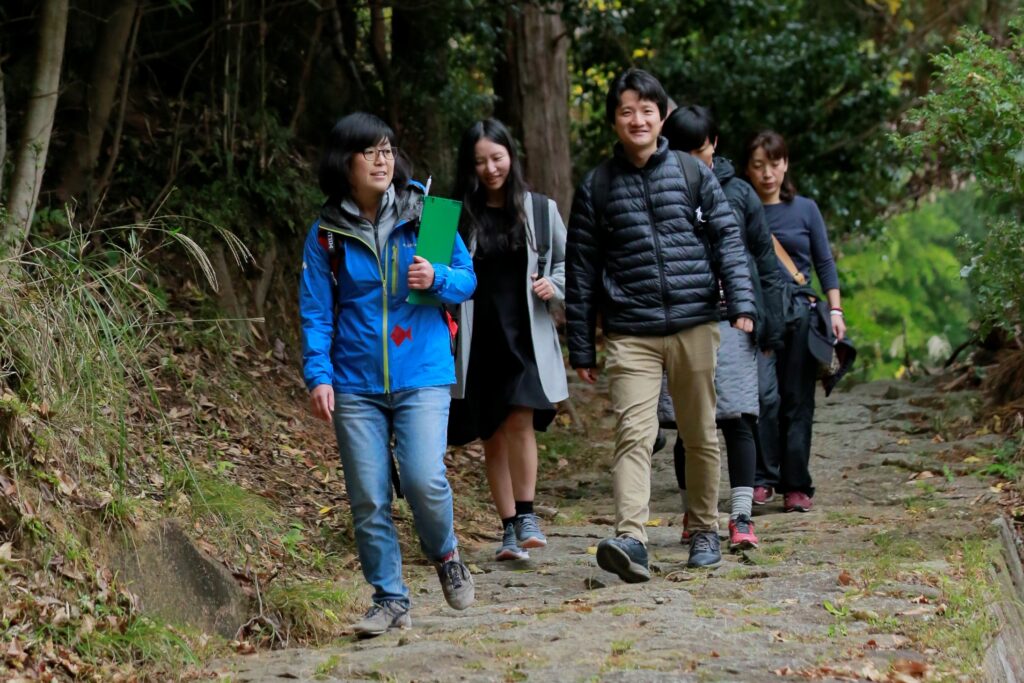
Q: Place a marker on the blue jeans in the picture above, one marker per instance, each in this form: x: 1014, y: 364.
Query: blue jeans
x: 418, y: 418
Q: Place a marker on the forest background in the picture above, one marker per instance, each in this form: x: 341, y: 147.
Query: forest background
x: 157, y: 178
x: 213, y: 112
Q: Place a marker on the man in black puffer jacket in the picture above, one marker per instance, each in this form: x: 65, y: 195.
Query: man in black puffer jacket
x: 635, y: 257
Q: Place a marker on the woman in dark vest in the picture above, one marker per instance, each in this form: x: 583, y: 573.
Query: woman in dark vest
x: 509, y: 364
x: 796, y: 223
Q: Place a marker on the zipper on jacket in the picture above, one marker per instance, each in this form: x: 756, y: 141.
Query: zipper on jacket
x: 394, y: 270
x: 382, y: 271
x: 657, y: 249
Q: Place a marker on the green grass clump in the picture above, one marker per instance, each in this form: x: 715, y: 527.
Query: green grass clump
x: 314, y: 610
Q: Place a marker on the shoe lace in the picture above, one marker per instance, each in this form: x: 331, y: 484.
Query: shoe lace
x: 373, y: 611
x: 704, y: 542
x: 528, y: 523
x: 454, y: 572
x: 742, y: 525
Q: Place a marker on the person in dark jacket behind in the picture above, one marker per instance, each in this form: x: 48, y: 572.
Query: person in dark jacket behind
x: 379, y: 366
x: 796, y: 223
x: 634, y: 257
x: 692, y: 129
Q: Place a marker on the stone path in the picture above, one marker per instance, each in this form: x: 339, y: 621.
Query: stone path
x: 882, y: 581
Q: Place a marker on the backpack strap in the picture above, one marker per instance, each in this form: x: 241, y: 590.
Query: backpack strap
x: 335, y: 248
x: 691, y: 173
x: 541, y: 230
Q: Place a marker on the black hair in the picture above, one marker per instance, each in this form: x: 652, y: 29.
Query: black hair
x: 646, y: 86
x: 473, y: 195
x: 688, y: 127
x: 774, y: 146
x: 351, y: 135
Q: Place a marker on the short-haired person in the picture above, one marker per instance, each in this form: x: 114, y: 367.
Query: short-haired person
x: 797, y: 224
x: 692, y: 129
x: 381, y: 367
x: 637, y: 258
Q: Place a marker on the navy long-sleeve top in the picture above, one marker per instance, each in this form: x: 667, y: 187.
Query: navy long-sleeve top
x: 800, y: 229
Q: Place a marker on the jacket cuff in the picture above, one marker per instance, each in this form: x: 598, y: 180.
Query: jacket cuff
x: 582, y: 361
x: 314, y: 382
x: 440, y: 278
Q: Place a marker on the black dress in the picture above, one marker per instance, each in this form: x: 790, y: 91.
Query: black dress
x: 502, y: 371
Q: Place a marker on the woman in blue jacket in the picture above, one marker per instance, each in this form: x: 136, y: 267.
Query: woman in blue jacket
x: 378, y: 366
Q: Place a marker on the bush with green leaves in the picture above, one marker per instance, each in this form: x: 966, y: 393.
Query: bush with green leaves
x: 903, y: 294
x: 821, y: 82
x: 972, y: 124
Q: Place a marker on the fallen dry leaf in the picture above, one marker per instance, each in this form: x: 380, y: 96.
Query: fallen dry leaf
x: 920, y: 600
x: 912, y: 667
x: 845, y: 579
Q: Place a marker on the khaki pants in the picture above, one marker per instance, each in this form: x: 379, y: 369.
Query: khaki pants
x: 635, y: 366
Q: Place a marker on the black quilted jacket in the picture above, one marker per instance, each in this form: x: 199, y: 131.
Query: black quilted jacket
x: 645, y: 270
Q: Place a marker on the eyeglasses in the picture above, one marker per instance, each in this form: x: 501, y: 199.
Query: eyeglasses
x: 371, y: 153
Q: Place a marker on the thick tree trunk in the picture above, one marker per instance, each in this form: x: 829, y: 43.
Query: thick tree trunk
x: 533, y: 87
x: 35, y: 133
x: 103, y: 80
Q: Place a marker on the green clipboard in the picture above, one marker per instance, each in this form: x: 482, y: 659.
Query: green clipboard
x: 439, y: 224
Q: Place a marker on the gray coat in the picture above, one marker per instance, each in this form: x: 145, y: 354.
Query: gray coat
x: 546, y: 347
x: 736, y: 382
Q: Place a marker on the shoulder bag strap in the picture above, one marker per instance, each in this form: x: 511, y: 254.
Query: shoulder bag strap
x: 794, y: 272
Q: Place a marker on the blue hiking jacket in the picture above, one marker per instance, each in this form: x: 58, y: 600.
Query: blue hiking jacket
x: 359, y: 334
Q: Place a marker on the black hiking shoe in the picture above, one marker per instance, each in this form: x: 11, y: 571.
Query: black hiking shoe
x: 624, y: 556
x: 705, y: 550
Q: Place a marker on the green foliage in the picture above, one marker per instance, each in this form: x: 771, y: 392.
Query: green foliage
x: 903, y: 293
x: 316, y: 610
x: 973, y: 123
x: 823, y: 85
x: 76, y: 315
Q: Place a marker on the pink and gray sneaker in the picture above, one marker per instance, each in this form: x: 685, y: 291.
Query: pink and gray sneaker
x: 741, y: 534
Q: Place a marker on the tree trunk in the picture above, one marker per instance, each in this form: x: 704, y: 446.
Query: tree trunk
x: 533, y: 90
x: 419, y: 54
x: 35, y: 133
x: 3, y: 130
x: 106, y: 72
x: 226, y: 294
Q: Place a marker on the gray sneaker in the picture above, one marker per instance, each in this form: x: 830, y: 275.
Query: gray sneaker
x: 528, y: 532
x: 456, y: 581
x: 705, y: 550
x: 509, y: 549
x: 382, y: 617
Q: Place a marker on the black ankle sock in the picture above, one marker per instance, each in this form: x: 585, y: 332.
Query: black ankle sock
x: 524, y: 507
x: 505, y: 521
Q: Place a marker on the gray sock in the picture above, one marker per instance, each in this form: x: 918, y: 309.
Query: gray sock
x: 741, y: 499
x: 682, y: 496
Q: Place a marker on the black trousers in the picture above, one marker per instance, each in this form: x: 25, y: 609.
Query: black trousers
x: 797, y: 372
x: 767, y: 432
x: 740, y: 450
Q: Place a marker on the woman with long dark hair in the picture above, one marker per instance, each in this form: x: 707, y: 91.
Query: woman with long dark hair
x: 509, y: 360
x: 381, y: 367
x: 797, y: 225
